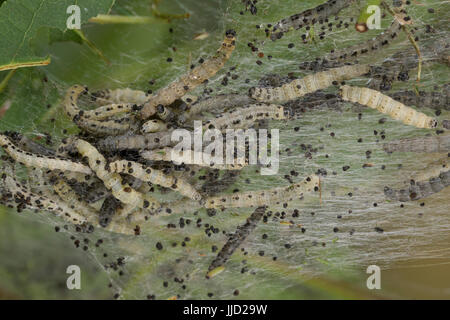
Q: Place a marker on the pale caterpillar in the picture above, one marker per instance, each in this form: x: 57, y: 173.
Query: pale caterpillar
x: 118, y: 96
x: 168, y: 154
x: 236, y: 239
x: 136, y: 142
x: 246, y: 117
x: 154, y: 125
x: 66, y: 193
x: 213, y: 103
x: 154, y: 176
x: 14, y: 194
x: 384, y: 104
x: 110, y: 110
x: 39, y: 161
x: 309, y: 17
x: 435, y: 99
x: 113, y: 181
x: 96, y: 127
x: 195, y: 77
x: 309, y: 84
x: 106, y: 213
x: 430, y: 144
x: 265, y: 197
x: 420, y: 189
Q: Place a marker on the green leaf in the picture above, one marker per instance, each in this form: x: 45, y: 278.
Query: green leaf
x: 20, y: 20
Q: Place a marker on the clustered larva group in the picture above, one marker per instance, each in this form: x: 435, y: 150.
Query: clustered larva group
x: 106, y: 177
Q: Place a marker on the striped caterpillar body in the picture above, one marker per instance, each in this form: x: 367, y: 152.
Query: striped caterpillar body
x: 379, y: 41
x: 237, y: 238
x: 194, y: 78
x: 66, y: 193
x: 216, y: 102
x: 96, y: 127
x: 309, y: 84
x: 435, y: 100
x: 440, y: 143
x: 110, y: 110
x: 384, y: 104
x: 246, y: 117
x: 155, y: 125
x: 169, y: 155
x: 420, y: 189
x: 39, y: 161
x: 308, y: 17
x: 120, y: 96
x: 136, y: 142
x: 113, y: 181
x: 14, y: 194
x: 265, y: 197
x: 156, y: 177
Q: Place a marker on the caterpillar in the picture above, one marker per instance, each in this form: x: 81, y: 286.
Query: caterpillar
x: 436, y: 99
x: 168, y: 154
x: 66, y: 193
x: 309, y: 84
x: 384, y: 104
x: 420, y: 189
x: 154, y: 125
x: 308, y: 17
x: 96, y: 127
x: 379, y: 41
x: 106, y: 213
x: 246, y: 117
x: 110, y: 110
x: 212, y: 103
x: 136, y: 142
x: 430, y: 144
x: 113, y: 181
x: 29, y: 145
x: 154, y: 176
x: 337, y: 57
x: 39, y: 161
x: 119, y: 96
x: 235, y: 240
x: 265, y: 197
x: 16, y: 195
x: 195, y: 77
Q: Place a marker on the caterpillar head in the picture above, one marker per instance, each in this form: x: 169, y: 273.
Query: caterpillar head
x: 230, y: 33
